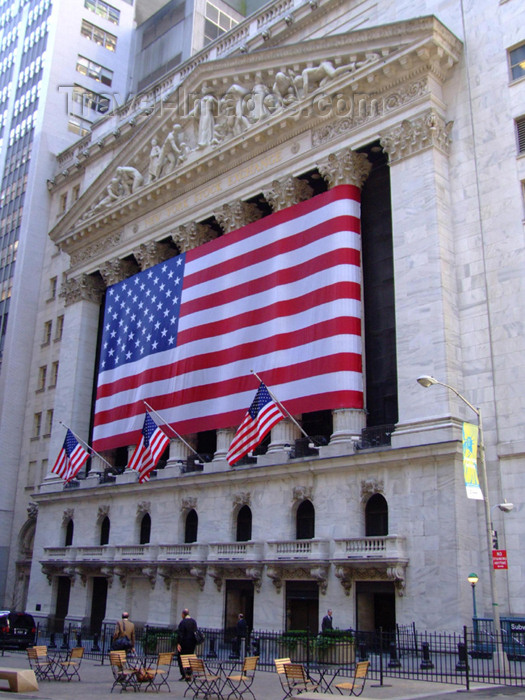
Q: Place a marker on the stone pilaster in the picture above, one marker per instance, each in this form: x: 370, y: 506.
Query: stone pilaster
x: 345, y: 167
x: 188, y: 236
x: 149, y: 254
x: 287, y: 192
x: 424, y: 260
x: 236, y: 214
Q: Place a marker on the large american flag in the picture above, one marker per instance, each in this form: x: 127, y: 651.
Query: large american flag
x: 281, y: 296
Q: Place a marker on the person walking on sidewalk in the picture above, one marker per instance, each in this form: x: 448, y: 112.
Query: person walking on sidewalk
x: 186, y: 641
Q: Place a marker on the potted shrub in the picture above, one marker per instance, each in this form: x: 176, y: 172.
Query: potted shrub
x: 336, y: 647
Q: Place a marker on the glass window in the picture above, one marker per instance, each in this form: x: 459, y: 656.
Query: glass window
x: 90, y: 99
x: 47, y: 332
x: 98, y: 35
x: 103, y: 9
x: 59, y: 328
x: 94, y: 70
x: 42, y: 378
x: 517, y: 62
x: 37, y: 424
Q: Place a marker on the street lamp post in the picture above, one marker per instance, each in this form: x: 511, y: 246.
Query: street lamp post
x: 473, y: 579
x: 427, y: 381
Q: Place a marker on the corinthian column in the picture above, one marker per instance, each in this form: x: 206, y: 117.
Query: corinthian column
x: 346, y: 167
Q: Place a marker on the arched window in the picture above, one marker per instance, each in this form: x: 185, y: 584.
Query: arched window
x: 192, y: 525
x: 69, y: 534
x: 244, y: 524
x: 145, y: 529
x: 305, y: 521
x: 376, y: 516
x: 104, y: 531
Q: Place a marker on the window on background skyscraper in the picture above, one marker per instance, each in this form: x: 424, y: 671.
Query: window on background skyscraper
x: 517, y: 62
x: 98, y: 35
x: 89, y: 99
x: 103, y: 9
x: 91, y: 69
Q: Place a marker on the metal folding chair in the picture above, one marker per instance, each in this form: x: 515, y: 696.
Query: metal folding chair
x: 298, y: 679
x: 240, y: 683
x: 45, y: 668
x: 156, y: 675
x: 357, y: 684
x: 124, y: 675
x: 204, y: 681
x: 70, y: 667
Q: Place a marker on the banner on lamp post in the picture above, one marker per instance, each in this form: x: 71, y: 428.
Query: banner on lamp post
x: 470, y: 454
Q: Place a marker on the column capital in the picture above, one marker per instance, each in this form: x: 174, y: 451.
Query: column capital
x: 345, y: 167
x: 429, y: 130
x: 286, y: 192
x: 116, y: 270
x: 149, y: 254
x: 236, y: 214
x: 83, y: 288
x: 191, y: 235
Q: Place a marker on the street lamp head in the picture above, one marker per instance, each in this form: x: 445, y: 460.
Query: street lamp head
x: 506, y: 507
x: 426, y: 380
x: 472, y: 579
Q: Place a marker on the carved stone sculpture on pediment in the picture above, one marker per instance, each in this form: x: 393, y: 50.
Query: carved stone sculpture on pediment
x: 415, y: 135
x: 286, y: 192
x: 188, y: 503
x: 116, y: 270
x: 149, y: 254
x: 205, y: 109
x: 83, y: 288
x: 369, y: 487
x: 172, y: 153
x: 67, y: 516
x: 302, y: 493
x: 237, y: 214
x: 319, y: 75
x: 193, y: 234
x: 143, y: 507
x: 126, y: 181
x: 345, y: 167
x: 242, y: 498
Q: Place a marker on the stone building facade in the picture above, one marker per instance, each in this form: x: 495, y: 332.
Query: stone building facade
x: 375, y: 524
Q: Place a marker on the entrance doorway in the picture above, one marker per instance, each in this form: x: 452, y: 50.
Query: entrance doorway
x: 302, y: 606
x: 375, y: 606
x: 239, y: 599
x: 62, y: 604
x: 98, y: 604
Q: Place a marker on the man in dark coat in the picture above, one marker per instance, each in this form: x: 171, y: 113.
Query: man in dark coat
x: 186, y: 639
x: 327, y: 624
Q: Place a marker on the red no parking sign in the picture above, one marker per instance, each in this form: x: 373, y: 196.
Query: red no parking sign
x: 499, y: 559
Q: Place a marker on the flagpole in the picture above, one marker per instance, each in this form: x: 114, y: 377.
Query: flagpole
x: 84, y: 444
x: 150, y: 408
x: 283, y: 408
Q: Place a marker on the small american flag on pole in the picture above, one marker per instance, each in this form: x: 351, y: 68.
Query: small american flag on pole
x: 71, y: 458
x: 149, y: 450
x: 262, y: 415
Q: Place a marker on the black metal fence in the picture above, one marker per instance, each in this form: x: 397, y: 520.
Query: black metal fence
x: 473, y: 655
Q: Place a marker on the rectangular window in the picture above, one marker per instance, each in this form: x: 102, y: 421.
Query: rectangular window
x: 517, y: 62
x: 63, y: 203
x: 90, y: 99
x: 37, y: 425
x: 54, y: 374
x: 52, y: 288
x: 49, y: 422
x: 216, y: 22
x: 59, y: 328
x: 79, y: 126
x: 98, y: 35
x: 103, y: 9
x: 42, y: 372
x: 94, y: 70
x: 47, y: 332
x: 520, y: 133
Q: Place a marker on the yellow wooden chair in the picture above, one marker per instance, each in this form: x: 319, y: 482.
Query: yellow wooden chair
x: 357, y: 684
x: 298, y: 679
x: 240, y: 683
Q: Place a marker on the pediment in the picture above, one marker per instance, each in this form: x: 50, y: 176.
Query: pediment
x: 227, y: 111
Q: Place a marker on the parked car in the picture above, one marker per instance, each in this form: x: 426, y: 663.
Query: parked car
x: 17, y: 629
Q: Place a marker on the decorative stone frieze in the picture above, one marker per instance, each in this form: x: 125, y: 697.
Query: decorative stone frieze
x: 412, y: 136
x: 286, y: 192
x: 188, y: 503
x: 116, y: 270
x: 99, y: 247
x: 143, y: 507
x: 279, y: 572
x: 302, y: 493
x: 345, y: 167
x: 243, y: 498
x: 83, y: 288
x: 236, y: 214
x: 369, y: 487
x: 149, y: 254
x: 188, y: 236
x: 67, y: 516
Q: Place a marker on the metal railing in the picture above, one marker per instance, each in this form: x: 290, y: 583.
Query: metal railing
x: 457, y: 658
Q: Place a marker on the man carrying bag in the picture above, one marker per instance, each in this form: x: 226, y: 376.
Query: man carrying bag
x: 124, y: 635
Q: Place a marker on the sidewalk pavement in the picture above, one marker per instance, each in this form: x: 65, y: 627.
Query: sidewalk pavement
x: 97, y: 680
